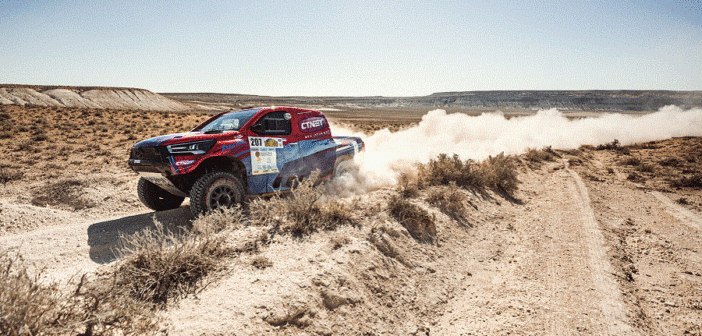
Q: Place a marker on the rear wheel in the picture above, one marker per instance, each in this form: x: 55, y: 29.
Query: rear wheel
x: 215, y: 190
x: 156, y: 198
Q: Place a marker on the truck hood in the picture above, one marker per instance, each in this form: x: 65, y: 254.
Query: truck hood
x: 170, y: 139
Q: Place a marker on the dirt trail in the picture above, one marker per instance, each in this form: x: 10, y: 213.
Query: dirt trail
x: 66, y: 251
x: 556, y: 279
x: 684, y: 215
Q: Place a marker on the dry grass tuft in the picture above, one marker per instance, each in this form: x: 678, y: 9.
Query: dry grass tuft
x: 160, y: 265
x: 62, y: 193
x: 415, y: 219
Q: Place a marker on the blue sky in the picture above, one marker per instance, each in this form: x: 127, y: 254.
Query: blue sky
x: 390, y: 48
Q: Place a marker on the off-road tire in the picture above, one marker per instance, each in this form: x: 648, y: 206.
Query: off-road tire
x: 215, y: 190
x: 156, y: 198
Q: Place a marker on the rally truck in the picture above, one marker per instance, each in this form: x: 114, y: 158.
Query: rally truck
x: 237, y: 154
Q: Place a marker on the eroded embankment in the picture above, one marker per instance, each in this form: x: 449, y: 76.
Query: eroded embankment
x: 102, y: 98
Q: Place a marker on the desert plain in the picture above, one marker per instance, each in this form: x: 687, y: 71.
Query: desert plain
x: 603, y: 239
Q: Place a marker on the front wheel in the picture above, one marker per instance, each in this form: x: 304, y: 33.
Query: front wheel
x: 156, y: 198
x: 215, y: 190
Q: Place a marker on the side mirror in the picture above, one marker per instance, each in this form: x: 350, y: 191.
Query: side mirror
x: 258, y: 129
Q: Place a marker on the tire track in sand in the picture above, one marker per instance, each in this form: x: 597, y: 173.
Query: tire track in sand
x: 684, y: 215
x: 555, y: 278
x: 611, y: 304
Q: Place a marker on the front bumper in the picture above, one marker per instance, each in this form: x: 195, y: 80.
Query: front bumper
x: 150, y: 159
x: 153, y: 164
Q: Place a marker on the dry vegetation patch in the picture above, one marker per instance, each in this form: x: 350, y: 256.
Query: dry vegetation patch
x: 498, y: 173
x: 160, y: 265
x: 64, y: 193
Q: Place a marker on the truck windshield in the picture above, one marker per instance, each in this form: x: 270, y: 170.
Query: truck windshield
x: 232, y: 121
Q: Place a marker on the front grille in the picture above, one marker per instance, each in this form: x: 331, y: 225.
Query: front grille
x: 149, y: 154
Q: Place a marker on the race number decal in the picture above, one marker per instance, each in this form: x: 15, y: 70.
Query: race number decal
x: 263, y: 161
x: 262, y: 142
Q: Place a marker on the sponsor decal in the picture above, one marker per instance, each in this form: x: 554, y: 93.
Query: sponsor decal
x: 184, y: 163
x: 313, y: 124
x: 228, y: 147
x: 262, y: 142
x: 263, y: 161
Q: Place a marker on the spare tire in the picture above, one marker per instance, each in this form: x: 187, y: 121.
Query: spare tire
x: 156, y: 198
x: 215, y: 190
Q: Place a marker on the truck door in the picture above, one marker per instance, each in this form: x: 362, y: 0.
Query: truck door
x: 272, y: 152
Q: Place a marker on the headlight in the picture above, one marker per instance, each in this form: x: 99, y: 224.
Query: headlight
x: 198, y: 147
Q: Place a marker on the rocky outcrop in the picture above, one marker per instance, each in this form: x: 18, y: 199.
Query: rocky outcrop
x: 112, y: 98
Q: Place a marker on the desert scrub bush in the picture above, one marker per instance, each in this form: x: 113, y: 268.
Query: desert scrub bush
x: 418, y: 222
x: 306, y: 209
x: 496, y: 172
x: 444, y: 169
x: 407, y: 185
x: 261, y: 262
x: 449, y: 200
x: 499, y: 173
x: 9, y: 174
x: 631, y: 161
x: 694, y: 181
x: 615, y: 146
x: 26, y: 306
x: 539, y: 155
x: 159, y: 265
x: 217, y: 220
x: 62, y: 193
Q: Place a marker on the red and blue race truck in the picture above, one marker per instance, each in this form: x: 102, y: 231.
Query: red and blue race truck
x: 234, y: 154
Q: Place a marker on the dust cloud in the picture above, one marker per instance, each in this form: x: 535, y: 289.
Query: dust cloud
x: 388, y: 154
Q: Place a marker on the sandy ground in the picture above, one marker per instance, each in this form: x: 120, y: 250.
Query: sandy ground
x: 582, y: 248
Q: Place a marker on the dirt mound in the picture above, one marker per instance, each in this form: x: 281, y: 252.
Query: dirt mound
x: 104, y: 98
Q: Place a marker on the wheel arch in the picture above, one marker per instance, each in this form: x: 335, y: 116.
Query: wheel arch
x: 222, y: 163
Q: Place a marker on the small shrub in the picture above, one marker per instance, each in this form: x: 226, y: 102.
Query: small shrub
x: 8, y: 175
x: 416, y: 220
x: 646, y: 168
x: 539, y: 155
x: 25, y: 146
x: 217, y: 220
x: 500, y: 173
x: 610, y: 145
x: 40, y: 137
x: 631, y: 161
x: 496, y: 172
x: 303, y: 211
x: 444, y: 170
x: 261, y: 262
x: 26, y: 306
x: 450, y: 202
x: 670, y: 162
x: 408, y: 186
x: 160, y: 265
x: 682, y: 200
x: 694, y: 181
x: 614, y: 145
x: 63, y: 193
